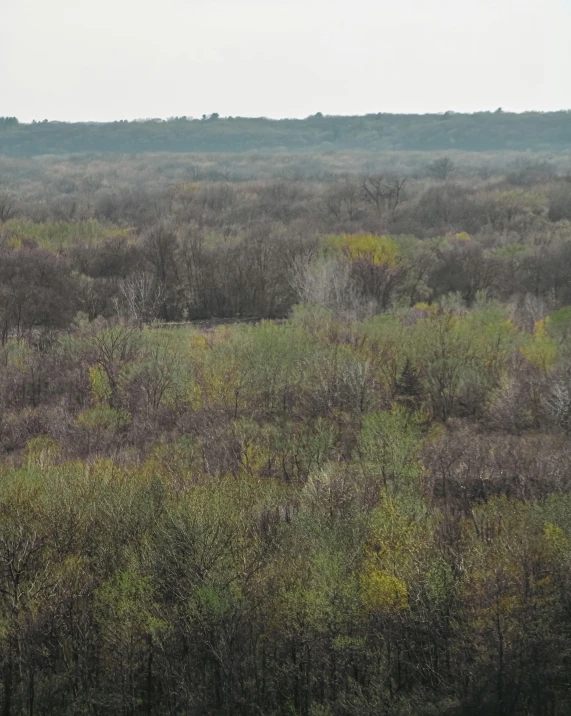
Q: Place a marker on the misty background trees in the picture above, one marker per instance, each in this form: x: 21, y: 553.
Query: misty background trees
x: 481, y: 131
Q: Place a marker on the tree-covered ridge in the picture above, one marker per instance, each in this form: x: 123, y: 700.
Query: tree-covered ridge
x: 482, y: 131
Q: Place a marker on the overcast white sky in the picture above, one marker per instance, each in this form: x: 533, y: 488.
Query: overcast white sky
x: 124, y: 59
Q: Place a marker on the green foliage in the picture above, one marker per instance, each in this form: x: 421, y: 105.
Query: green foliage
x: 540, y: 349
x: 215, y: 501
x: 558, y: 324
x: 315, y: 515
x: 390, y: 443
x: 125, y: 603
x: 383, y: 592
x: 58, y: 236
x: 106, y: 418
x: 100, y: 388
x: 41, y: 451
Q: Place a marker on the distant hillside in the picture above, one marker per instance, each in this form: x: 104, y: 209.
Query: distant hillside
x: 482, y: 131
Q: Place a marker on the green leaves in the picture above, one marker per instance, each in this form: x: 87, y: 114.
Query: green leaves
x: 389, y: 444
x: 126, y: 607
x: 106, y: 418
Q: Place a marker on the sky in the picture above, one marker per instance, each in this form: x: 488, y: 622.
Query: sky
x: 98, y: 60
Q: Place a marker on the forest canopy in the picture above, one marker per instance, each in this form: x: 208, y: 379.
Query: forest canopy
x: 285, y: 434
x: 481, y: 131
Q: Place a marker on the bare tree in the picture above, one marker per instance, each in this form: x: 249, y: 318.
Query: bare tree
x: 7, y: 207
x: 342, y: 200
x: 382, y: 192
x: 327, y: 283
x: 142, y: 296
x: 528, y: 310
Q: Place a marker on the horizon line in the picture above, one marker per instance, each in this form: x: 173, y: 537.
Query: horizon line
x: 317, y: 115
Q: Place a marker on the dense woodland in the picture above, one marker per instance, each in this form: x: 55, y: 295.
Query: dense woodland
x: 481, y: 131
x: 285, y: 435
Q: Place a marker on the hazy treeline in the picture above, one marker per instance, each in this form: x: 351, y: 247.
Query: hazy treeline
x: 481, y: 131
x: 357, y: 504
x: 44, y: 177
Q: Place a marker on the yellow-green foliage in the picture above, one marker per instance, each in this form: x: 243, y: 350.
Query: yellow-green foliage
x: 425, y: 307
x: 61, y: 235
x: 106, y: 418
x: 389, y: 442
x: 126, y: 606
x: 253, y: 441
x: 558, y: 325
x: 189, y: 188
x: 449, y: 352
x: 100, y: 388
x: 556, y: 543
x: 512, y: 251
x: 376, y: 249
x: 383, y: 592
x: 18, y: 355
x: 540, y: 349
x: 506, y: 536
x: 41, y: 451
x: 517, y: 201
